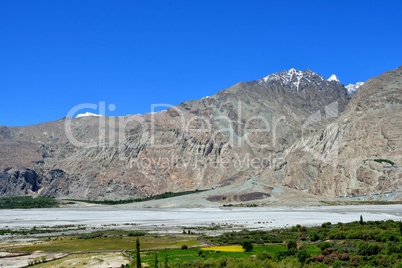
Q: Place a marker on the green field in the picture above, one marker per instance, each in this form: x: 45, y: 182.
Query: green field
x: 356, y: 244
x: 111, y: 243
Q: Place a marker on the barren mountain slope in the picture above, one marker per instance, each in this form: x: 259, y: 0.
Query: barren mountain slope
x: 357, y: 155
x: 251, y: 130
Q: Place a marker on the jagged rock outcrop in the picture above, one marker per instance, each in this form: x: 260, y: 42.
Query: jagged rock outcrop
x: 19, y: 181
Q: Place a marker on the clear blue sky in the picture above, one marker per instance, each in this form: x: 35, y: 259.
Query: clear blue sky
x: 57, y: 54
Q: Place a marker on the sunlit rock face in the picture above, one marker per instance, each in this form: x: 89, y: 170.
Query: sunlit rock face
x: 293, y: 129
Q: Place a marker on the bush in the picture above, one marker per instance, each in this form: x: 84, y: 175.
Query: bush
x: 355, y: 260
x: 97, y: 234
x: 318, y: 258
x: 136, y: 233
x: 368, y: 249
x: 292, y: 244
x: 393, y: 247
x: 324, y: 245
x: 325, y: 225
x: 282, y: 254
x: 247, y: 246
x: 400, y: 227
x: 337, y: 264
x: 302, y: 255
x: 314, y: 236
x: 328, y: 260
x: 344, y: 257
x: 184, y: 247
x: 303, y: 229
x: 336, y: 235
x: 263, y: 256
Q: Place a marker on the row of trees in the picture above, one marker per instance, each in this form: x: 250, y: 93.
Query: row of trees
x: 27, y: 202
x: 138, y: 257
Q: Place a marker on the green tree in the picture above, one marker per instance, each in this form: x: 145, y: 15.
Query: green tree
x: 302, y: 255
x: 137, y: 246
x: 156, y: 261
x: 247, y: 246
x: 368, y: 249
x: 400, y: 227
x: 314, y: 236
x: 166, y: 265
x: 292, y: 244
x: 361, y: 220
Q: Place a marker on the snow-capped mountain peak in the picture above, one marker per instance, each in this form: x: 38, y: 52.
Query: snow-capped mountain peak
x: 333, y: 78
x: 294, y: 71
x: 294, y: 78
x: 87, y: 114
x: 352, y: 88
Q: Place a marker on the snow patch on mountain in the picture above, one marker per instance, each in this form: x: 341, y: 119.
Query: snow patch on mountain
x: 87, y: 114
x: 333, y: 78
x: 296, y: 79
x: 352, y: 88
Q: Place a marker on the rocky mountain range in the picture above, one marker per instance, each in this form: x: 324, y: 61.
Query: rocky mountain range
x: 290, y: 133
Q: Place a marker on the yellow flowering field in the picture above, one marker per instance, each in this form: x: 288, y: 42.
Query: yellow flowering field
x: 233, y: 248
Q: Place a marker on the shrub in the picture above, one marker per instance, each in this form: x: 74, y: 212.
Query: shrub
x: 336, y: 235
x: 184, y: 247
x: 136, y: 233
x: 344, y: 257
x: 294, y: 229
x: 324, y: 245
x: 368, y: 249
x: 393, y: 247
x: 400, y: 227
x: 247, y: 246
x: 361, y: 220
x: 314, y: 236
x: 263, y: 256
x: 325, y: 225
x: 354, y: 260
x: 318, y: 258
x: 334, y: 255
x: 328, y: 260
x: 291, y: 244
x: 337, y: 264
x: 303, y: 229
x: 282, y: 254
x: 302, y: 255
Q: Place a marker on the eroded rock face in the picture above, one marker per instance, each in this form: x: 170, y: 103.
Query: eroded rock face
x: 19, y: 182
x: 267, y: 129
x: 344, y: 159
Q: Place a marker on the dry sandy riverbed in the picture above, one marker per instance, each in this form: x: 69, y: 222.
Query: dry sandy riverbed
x: 142, y: 218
